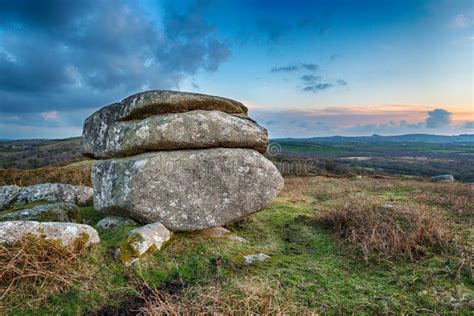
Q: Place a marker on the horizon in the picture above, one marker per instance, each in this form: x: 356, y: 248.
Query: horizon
x: 304, y: 69
x: 273, y: 139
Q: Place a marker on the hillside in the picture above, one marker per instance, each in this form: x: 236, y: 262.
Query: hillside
x: 321, y: 259
x: 34, y: 153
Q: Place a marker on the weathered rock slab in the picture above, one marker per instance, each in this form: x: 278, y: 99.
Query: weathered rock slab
x: 150, y: 103
x: 195, y: 129
x: 8, y: 195
x: 56, y: 212
x: 66, y: 233
x: 186, y: 190
x: 54, y: 192
x: 143, y: 240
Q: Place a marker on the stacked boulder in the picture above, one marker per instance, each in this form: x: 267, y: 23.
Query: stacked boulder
x: 188, y: 161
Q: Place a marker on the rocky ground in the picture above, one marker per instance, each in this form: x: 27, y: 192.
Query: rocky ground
x: 302, y: 254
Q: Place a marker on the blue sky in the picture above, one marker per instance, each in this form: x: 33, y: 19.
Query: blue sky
x: 304, y: 68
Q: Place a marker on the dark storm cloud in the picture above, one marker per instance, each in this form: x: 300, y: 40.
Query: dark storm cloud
x: 295, y: 67
x: 438, y: 118
x: 65, y: 55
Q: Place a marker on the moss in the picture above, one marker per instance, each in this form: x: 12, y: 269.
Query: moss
x: 127, y: 250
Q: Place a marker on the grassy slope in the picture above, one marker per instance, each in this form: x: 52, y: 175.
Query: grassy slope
x: 309, y: 269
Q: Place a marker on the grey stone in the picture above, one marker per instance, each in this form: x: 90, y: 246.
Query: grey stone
x: 57, y: 212
x: 55, y: 192
x: 220, y: 233
x: 195, y: 129
x: 143, y: 240
x: 8, y: 195
x: 186, y: 190
x: 249, y: 259
x: 149, y: 103
x: 110, y: 222
x: 443, y: 178
x: 66, y: 233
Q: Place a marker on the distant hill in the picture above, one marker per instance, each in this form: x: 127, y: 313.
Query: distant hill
x: 408, y: 138
x: 34, y: 153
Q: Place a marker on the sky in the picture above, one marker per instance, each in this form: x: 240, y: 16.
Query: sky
x: 304, y: 68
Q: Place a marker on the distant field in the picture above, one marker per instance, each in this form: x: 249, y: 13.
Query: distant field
x: 388, y: 155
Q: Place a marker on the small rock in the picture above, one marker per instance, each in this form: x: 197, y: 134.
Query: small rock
x: 143, y: 240
x: 221, y: 233
x: 443, y: 178
x: 236, y: 238
x: 57, y: 212
x: 249, y: 259
x: 8, y: 195
x: 388, y: 206
x: 110, y: 222
x: 66, y: 233
x: 215, y: 232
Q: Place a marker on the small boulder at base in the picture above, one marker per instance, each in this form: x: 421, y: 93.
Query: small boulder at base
x: 186, y: 190
x: 143, y: 240
x: 68, y: 234
x: 55, y: 192
x: 57, y: 212
x: 443, y: 178
x: 111, y: 222
x: 8, y: 195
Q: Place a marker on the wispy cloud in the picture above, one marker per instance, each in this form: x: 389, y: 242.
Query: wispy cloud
x: 318, y: 87
x: 462, y: 21
x: 296, y: 67
x: 310, y: 79
x: 50, y: 116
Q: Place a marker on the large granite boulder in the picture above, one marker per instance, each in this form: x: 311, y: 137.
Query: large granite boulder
x: 8, y: 195
x: 66, y: 233
x: 56, y: 212
x: 186, y: 190
x: 195, y: 129
x: 54, y: 192
x: 150, y: 103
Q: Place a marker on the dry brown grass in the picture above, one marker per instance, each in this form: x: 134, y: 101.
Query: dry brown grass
x: 78, y: 175
x: 34, y: 269
x: 366, y: 224
x: 295, y: 189
x: 248, y: 299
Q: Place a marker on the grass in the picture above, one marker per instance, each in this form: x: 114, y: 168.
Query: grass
x: 78, y: 174
x: 311, y: 269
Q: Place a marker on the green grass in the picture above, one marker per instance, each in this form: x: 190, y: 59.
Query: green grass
x: 307, y: 261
